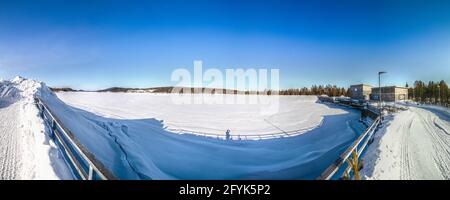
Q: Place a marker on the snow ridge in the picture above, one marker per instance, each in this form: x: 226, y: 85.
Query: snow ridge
x: 27, y: 152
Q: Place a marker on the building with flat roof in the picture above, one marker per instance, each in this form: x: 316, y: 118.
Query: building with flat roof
x: 364, y: 92
x: 390, y: 93
x: 360, y: 92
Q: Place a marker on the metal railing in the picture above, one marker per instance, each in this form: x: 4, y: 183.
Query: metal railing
x: 351, y: 156
x: 244, y: 136
x: 82, y: 163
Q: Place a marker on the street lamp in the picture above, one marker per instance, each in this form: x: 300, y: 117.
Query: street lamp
x: 379, y: 89
x: 439, y: 94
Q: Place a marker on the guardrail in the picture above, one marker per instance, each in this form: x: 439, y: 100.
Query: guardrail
x: 244, y: 136
x: 350, y: 158
x: 83, y: 164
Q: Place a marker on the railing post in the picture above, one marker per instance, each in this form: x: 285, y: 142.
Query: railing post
x: 91, y: 172
x: 41, y: 110
x: 53, y: 129
x: 355, y: 165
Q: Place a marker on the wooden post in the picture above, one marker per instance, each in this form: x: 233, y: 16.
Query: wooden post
x: 354, y: 164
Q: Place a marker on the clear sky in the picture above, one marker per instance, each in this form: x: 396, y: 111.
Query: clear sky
x: 98, y: 44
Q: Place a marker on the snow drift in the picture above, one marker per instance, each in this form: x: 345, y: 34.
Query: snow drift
x: 25, y: 149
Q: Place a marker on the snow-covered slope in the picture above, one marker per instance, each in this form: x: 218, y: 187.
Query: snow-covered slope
x: 25, y: 150
x: 412, y: 144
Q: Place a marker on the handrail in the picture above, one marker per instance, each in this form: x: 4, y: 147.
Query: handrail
x: 343, y: 158
x: 246, y: 136
x: 74, y: 153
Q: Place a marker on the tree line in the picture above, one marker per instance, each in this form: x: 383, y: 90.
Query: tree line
x: 431, y: 92
x: 330, y: 90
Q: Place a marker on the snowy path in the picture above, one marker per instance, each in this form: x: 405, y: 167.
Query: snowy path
x: 9, y: 143
x: 26, y: 151
x: 415, y: 144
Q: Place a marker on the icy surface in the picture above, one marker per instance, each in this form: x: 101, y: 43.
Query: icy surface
x: 295, y: 115
x: 131, y: 134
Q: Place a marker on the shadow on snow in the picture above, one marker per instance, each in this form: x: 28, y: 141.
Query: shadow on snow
x: 145, y: 149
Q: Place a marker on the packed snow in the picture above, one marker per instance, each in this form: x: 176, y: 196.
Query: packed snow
x: 137, y: 129
x: 25, y: 149
x: 412, y: 144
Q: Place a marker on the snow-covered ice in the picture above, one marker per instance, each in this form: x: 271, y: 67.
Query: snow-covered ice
x: 137, y: 129
x: 294, y: 116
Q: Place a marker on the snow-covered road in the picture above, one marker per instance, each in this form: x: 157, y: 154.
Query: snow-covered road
x: 26, y: 152
x: 9, y: 143
x: 413, y: 144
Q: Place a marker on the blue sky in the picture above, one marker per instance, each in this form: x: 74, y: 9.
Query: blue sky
x: 98, y: 44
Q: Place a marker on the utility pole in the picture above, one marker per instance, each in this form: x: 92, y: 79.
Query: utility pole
x: 439, y: 93
x: 379, y: 89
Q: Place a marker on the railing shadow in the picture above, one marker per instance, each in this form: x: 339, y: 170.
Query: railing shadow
x: 5, y: 103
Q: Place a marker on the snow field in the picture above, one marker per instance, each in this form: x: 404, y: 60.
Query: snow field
x: 293, y: 116
x: 137, y: 128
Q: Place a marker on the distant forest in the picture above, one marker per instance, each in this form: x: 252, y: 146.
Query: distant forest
x: 330, y: 90
x: 314, y: 90
x: 431, y: 92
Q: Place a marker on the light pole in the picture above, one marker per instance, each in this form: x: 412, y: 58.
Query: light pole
x: 379, y: 89
x: 439, y: 94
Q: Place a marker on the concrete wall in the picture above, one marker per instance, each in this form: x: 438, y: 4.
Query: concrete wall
x: 390, y: 93
x: 360, y: 92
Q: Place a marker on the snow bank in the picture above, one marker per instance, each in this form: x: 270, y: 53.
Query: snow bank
x: 34, y: 155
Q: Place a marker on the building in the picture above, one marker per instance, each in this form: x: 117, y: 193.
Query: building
x: 360, y: 92
x: 363, y: 92
x: 390, y: 93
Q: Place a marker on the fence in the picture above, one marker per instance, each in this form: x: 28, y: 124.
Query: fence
x: 86, y: 167
x: 348, y: 162
x: 82, y: 163
x: 244, y: 136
